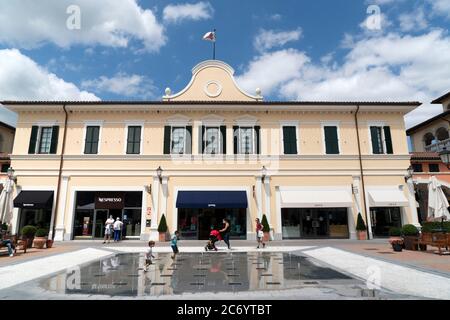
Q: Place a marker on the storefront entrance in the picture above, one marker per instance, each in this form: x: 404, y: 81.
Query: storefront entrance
x: 314, y: 223
x: 94, y: 208
x: 383, y: 219
x: 35, y: 209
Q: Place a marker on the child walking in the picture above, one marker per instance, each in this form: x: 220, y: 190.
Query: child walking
x: 173, y: 243
x: 149, y: 255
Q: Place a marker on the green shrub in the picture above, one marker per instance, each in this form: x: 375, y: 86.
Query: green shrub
x: 29, y: 231
x: 431, y: 226
x: 410, y: 230
x: 360, y: 225
x: 265, y: 223
x: 395, y: 232
x: 162, y: 224
x: 4, y: 226
x: 41, y: 233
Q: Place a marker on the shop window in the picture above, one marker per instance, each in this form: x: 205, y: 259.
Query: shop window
x: 417, y: 167
x: 433, y: 167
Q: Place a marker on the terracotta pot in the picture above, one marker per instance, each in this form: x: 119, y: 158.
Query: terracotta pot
x: 409, y: 242
x: 162, y: 237
x: 397, y: 247
x: 39, y: 242
x: 29, y: 241
x: 49, y: 243
x: 362, y: 235
x: 266, y: 237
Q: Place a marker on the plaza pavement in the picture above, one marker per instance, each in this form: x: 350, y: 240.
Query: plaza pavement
x: 413, y: 273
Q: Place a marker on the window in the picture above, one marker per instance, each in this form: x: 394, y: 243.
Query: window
x: 178, y: 140
x: 331, y: 139
x: 246, y: 140
x: 290, y: 139
x: 212, y: 140
x: 381, y: 140
x: 134, y: 140
x: 434, y: 167
x: 442, y: 134
x: 417, y: 167
x: 5, y: 167
x: 428, y: 138
x: 91, y: 141
x: 43, y: 140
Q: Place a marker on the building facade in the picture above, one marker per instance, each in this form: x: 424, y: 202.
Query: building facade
x: 208, y: 152
x: 6, y: 146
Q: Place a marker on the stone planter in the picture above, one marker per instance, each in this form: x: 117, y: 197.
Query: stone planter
x: 410, y: 243
x: 39, y: 242
x: 362, y: 235
x: 162, y: 236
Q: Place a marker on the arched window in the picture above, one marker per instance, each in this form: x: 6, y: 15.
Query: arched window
x: 442, y: 134
x: 428, y: 138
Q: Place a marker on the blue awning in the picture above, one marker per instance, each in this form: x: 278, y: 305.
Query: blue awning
x: 212, y: 199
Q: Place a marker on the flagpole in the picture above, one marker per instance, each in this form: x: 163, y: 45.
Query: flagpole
x: 214, y: 45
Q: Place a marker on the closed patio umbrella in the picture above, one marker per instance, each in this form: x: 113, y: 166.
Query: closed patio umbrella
x: 437, y: 201
x: 6, y: 202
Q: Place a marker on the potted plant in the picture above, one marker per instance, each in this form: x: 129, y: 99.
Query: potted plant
x: 4, y: 227
x: 410, y: 235
x: 28, y: 233
x: 266, y: 228
x: 361, y: 229
x: 49, y: 243
x: 395, y: 238
x: 40, y: 238
x: 162, y: 228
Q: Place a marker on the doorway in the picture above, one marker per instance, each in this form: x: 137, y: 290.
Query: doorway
x: 100, y: 217
x: 383, y: 219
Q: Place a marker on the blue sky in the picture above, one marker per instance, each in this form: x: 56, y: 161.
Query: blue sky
x: 292, y: 50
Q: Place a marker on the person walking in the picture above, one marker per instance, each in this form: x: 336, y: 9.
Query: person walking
x: 108, y: 229
x: 117, y: 229
x: 174, y: 243
x: 259, y: 233
x: 225, y: 231
x: 149, y: 255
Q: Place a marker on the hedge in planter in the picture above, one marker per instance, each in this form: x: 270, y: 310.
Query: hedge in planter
x: 410, y: 234
x: 40, y: 238
x: 266, y: 228
x: 162, y: 228
x: 432, y: 226
x: 361, y: 228
x: 28, y: 232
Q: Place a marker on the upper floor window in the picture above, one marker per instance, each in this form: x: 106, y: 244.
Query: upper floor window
x: 442, y: 134
x: 417, y: 167
x: 428, y: 138
x: 246, y: 139
x: 290, y: 139
x: 134, y: 140
x: 5, y: 167
x: 433, y: 167
x: 43, y: 140
x: 212, y: 140
x: 381, y: 140
x: 331, y: 139
x: 91, y: 141
x: 178, y: 140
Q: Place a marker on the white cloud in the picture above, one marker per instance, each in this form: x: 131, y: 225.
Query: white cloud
x: 440, y: 7
x: 23, y: 79
x: 268, y: 39
x: 123, y: 84
x: 30, y: 24
x: 389, y: 67
x: 414, y: 21
x: 177, y: 13
x: 276, y: 17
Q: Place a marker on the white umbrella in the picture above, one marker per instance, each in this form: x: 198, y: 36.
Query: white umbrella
x: 437, y: 201
x: 6, y: 202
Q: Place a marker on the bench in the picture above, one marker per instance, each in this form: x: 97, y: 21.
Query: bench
x: 439, y: 240
x: 18, y: 244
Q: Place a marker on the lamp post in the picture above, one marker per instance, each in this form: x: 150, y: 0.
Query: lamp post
x: 8, y: 189
x: 159, y: 172
x: 10, y: 174
x: 445, y: 156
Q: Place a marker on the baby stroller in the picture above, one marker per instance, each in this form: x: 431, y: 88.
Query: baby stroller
x: 214, y: 236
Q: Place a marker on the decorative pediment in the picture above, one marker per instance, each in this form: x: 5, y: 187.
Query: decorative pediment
x: 212, y: 80
x: 178, y: 119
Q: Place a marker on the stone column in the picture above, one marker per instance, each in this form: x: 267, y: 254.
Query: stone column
x: 165, y: 193
x: 154, y: 235
x: 258, y: 195
x: 268, y: 205
x: 61, y: 210
x: 230, y: 140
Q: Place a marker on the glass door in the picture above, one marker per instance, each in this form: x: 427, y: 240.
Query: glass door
x: 100, y: 217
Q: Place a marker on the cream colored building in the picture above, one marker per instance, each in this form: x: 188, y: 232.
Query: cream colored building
x: 222, y: 153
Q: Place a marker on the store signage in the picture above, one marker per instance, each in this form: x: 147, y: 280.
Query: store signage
x: 28, y: 205
x: 212, y: 205
x: 109, y: 200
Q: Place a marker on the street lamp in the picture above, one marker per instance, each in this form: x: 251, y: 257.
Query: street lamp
x: 159, y: 172
x: 410, y: 171
x: 263, y: 173
x: 445, y: 156
x: 11, y: 175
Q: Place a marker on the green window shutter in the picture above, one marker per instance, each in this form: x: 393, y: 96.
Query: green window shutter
x: 223, y: 139
x: 375, y: 143
x: 258, y: 139
x: 188, y: 140
x: 95, y: 138
x: 88, y: 141
x: 289, y: 140
x: 235, y: 138
x: 331, y: 140
x: 388, y: 140
x: 33, y: 140
x: 54, y: 142
x: 137, y: 140
x: 91, y: 143
x: 201, y: 142
x: 167, y: 139
x: 130, y: 140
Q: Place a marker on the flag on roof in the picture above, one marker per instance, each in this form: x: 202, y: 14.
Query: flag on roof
x: 210, y: 36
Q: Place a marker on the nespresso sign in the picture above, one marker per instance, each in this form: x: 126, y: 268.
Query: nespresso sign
x: 109, y: 200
